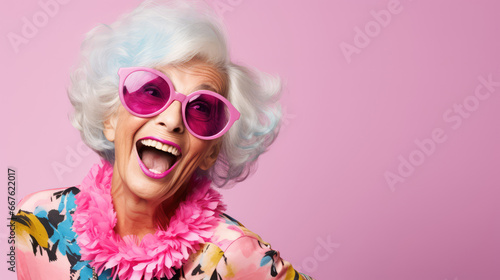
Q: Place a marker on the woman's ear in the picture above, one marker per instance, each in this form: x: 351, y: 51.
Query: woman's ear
x: 110, y: 127
x: 211, y: 156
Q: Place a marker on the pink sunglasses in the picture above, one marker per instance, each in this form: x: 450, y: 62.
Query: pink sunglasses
x: 147, y: 92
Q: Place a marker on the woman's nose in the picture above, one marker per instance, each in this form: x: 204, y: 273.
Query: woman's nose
x: 171, y: 118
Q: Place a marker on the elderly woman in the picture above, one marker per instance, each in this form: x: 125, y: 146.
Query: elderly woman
x: 156, y: 96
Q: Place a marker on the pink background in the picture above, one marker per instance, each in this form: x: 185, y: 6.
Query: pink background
x: 346, y: 125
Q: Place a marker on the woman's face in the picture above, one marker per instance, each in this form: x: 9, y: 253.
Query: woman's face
x: 136, y: 158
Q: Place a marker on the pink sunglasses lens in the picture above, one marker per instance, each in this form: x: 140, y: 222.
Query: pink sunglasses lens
x: 206, y: 115
x: 145, y: 92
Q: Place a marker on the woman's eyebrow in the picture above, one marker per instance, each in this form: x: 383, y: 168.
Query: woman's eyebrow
x: 205, y: 87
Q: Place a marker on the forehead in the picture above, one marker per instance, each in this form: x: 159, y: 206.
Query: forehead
x: 194, y: 76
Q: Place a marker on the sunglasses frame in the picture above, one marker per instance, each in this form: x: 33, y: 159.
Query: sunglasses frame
x: 124, y: 73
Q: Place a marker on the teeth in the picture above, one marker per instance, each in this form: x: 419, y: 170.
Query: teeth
x: 155, y: 171
x: 160, y: 146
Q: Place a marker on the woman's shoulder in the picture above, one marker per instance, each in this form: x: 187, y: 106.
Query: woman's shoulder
x: 228, y: 230
x: 239, y: 253
x: 45, y: 241
x: 46, y: 199
x: 42, y: 214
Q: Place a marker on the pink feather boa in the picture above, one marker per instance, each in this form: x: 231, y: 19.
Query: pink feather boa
x: 157, y: 255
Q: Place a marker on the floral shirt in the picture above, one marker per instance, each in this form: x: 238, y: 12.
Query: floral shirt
x: 47, y: 247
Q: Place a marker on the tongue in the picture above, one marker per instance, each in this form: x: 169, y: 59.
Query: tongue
x: 157, y: 161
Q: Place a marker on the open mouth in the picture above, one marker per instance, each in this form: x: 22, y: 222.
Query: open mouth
x: 157, y: 157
